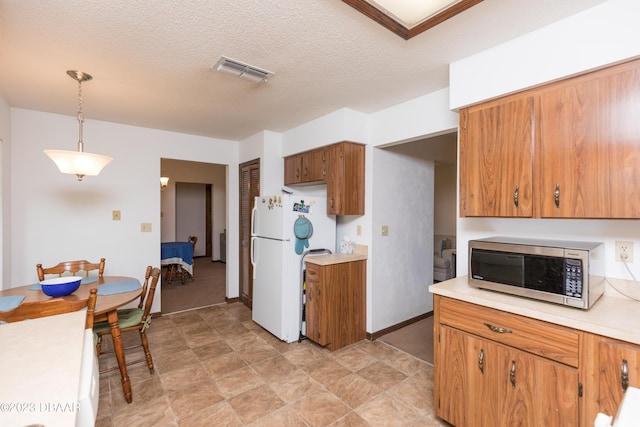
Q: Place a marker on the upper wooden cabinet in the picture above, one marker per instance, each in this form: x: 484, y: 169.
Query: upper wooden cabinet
x: 307, y: 167
x: 585, y: 157
x: 496, y: 158
x: 341, y: 166
x: 589, y: 145
x: 345, y: 182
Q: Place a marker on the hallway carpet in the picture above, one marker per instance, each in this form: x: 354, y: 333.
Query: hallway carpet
x: 207, y: 288
x: 415, y: 339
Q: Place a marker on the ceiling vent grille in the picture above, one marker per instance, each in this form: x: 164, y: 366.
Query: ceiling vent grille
x: 242, y: 70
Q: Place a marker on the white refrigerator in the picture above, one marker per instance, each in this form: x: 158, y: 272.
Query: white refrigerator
x: 276, y: 256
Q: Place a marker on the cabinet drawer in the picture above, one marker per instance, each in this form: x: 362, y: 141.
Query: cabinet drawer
x: 534, y: 336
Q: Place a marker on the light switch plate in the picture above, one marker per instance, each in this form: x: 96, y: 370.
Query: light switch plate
x: 145, y: 227
x: 115, y: 215
x: 384, y: 230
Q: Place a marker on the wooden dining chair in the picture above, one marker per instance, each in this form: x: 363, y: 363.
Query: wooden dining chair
x: 133, y: 319
x: 172, y: 269
x: 72, y: 267
x: 51, y: 307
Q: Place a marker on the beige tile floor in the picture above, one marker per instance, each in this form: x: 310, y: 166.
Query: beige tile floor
x: 216, y: 367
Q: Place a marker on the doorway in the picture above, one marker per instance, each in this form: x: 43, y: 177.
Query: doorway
x: 249, y: 189
x: 199, y: 190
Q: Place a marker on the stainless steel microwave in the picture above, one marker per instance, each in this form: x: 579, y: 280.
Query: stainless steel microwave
x: 567, y: 273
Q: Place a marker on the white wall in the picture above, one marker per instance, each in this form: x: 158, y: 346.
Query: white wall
x: 604, y: 34
x: 55, y: 217
x: 403, y: 267
x: 591, y: 39
x: 5, y: 179
x: 265, y: 146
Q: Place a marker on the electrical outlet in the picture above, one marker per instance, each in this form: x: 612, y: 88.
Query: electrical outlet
x: 384, y: 230
x: 624, y: 251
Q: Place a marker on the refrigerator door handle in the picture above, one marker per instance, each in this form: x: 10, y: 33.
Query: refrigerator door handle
x: 252, y: 258
x: 253, y: 220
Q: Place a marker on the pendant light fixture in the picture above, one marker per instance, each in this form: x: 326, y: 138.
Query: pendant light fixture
x: 78, y: 162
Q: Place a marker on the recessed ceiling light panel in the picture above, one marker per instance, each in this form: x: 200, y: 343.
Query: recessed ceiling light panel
x: 408, y: 18
x: 410, y: 13
x: 241, y: 70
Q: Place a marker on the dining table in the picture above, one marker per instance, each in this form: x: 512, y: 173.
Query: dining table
x: 113, y: 293
x: 178, y: 253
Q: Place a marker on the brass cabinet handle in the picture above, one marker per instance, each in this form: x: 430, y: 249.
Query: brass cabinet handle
x: 556, y: 196
x: 481, y: 361
x: 516, y: 193
x: 512, y: 374
x: 306, y: 171
x: 497, y: 329
x: 624, y: 375
x: 297, y: 172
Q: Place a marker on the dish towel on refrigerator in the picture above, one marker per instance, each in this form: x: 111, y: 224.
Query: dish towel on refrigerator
x: 303, y: 229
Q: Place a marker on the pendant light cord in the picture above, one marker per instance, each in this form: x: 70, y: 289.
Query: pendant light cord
x: 80, y: 117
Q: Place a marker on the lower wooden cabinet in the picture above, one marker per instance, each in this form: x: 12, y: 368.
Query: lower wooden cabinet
x: 483, y: 381
x: 617, y: 367
x: 335, y: 307
x: 496, y: 368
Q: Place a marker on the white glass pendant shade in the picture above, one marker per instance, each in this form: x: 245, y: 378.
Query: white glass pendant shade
x: 78, y: 163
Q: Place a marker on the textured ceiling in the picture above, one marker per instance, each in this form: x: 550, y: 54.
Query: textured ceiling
x: 151, y: 60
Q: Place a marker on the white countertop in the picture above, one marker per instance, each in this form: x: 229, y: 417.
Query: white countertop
x: 40, y: 365
x: 610, y: 316
x: 334, y: 258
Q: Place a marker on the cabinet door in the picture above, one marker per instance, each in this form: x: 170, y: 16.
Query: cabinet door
x: 335, y: 184
x: 313, y: 166
x: 619, y: 369
x: 496, y: 159
x: 345, y: 179
x: 292, y: 170
x: 620, y: 130
x: 466, y: 380
x: 316, y: 307
x: 572, y: 159
x: 534, y: 391
x: 589, y: 146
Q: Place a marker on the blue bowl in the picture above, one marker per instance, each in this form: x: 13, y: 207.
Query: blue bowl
x: 61, y: 286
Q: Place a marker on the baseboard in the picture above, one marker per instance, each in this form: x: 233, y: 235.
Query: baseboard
x: 375, y: 335
x: 231, y: 300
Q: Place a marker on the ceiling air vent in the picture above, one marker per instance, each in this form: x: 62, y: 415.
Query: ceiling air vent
x: 239, y: 69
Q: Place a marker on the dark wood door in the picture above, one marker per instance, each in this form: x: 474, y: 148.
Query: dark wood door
x: 249, y: 189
